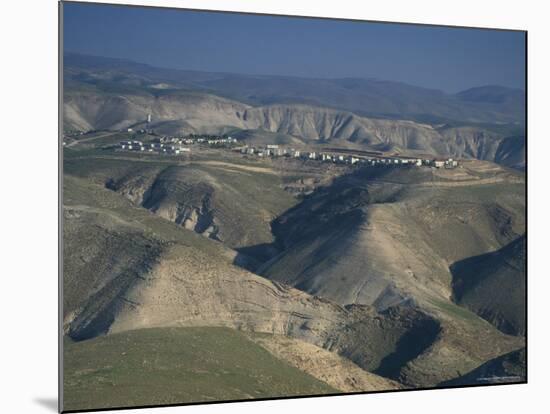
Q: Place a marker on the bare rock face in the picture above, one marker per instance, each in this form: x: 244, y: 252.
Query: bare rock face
x: 106, y: 264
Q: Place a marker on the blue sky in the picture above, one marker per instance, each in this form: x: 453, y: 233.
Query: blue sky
x: 450, y: 59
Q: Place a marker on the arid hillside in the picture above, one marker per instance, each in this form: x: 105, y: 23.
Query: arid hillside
x: 386, y: 236
x: 391, y: 319
x: 280, y: 274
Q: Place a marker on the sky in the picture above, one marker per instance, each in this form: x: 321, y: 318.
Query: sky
x: 449, y: 59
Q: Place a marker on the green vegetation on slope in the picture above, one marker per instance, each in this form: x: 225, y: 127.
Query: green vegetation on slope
x: 176, y: 365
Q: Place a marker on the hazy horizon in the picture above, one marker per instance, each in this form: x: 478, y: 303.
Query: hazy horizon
x: 442, y: 58
x: 371, y: 78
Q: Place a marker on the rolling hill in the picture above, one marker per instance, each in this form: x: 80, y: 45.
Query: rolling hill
x: 175, y: 366
x: 280, y: 276
x: 193, y: 283
x: 228, y: 202
x: 170, y: 276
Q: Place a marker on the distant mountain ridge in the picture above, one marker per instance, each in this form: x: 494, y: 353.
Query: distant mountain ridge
x: 362, y: 96
x: 491, y: 94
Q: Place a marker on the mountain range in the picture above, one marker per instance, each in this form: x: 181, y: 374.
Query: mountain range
x: 214, y: 275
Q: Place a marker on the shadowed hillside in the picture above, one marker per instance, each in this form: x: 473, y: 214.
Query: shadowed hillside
x: 493, y: 286
x: 506, y: 368
x: 382, y: 236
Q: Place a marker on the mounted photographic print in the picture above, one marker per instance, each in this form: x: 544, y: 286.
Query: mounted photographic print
x: 263, y: 206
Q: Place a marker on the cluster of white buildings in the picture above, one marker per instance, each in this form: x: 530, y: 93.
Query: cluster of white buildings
x: 156, y: 147
x: 209, y: 140
x: 179, y: 145
x: 175, y: 145
x: 274, y: 150
x: 277, y: 151
x: 448, y: 163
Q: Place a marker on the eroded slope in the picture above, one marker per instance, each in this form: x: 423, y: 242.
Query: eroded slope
x: 193, y: 283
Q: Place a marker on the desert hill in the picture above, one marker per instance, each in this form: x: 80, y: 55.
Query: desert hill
x: 192, y: 112
x: 156, y: 290
x: 391, y: 233
x: 216, y: 293
x: 228, y: 202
